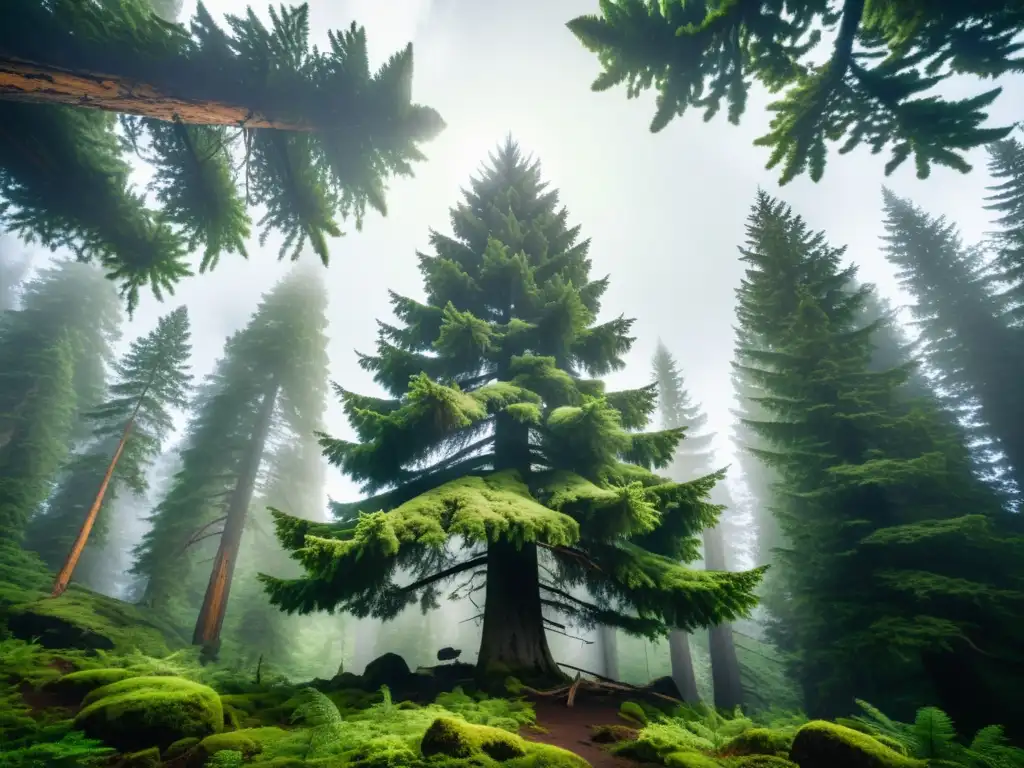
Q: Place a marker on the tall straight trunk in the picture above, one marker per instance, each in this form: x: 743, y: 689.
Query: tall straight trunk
x: 513, y: 638
x: 182, y: 100
x: 610, y: 651
x: 682, y: 666
x: 215, y: 603
x: 66, y: 571
x: 725, y: 667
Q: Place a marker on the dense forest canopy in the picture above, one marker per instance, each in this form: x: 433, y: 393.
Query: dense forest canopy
x: 554, y: 557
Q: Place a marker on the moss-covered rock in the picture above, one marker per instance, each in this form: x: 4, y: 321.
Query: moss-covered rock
x: 821, y: 743
x: 76, y: 685
x: 690, y: 760
x: 759, y: 761
x: 147, y: 758
x: 141, y: 712
x: 633, y: 712
x: 180, y: 747
x: 248, y: 741
x: 612, y: 734
x: 456, y: 738
x: 759, y: 741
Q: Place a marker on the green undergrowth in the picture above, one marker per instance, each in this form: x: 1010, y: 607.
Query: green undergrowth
x: 699, y: 737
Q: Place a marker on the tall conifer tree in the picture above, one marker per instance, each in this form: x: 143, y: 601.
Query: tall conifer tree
x: 269, y: 383
x: 966, y: 336
x: 152, y: 375
x: 249, y: 114
x: 694, y: 459
x: 900, y: 575
x: 1006, y: 166
x: 494, y: 434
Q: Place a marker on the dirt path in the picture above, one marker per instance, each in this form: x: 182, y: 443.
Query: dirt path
x: 569, y: 728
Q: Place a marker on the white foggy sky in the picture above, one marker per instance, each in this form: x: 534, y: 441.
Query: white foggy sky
x: 664, y: 212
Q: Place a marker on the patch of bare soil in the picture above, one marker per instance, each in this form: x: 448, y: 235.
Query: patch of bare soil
x: 571, y: 727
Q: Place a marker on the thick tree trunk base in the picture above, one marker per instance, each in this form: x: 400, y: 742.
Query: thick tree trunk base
x: 725, y: 668
x: 514, y: 642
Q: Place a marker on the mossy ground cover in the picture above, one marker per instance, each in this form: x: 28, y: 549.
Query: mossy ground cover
x: 143, y: 700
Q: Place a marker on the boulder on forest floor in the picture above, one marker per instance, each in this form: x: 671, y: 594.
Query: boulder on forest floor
x: 142, y: 712
x: 820, y: 743
x: 390, y: 670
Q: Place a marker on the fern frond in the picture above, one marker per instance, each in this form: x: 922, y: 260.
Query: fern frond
x: 934, y: 734
x: 323, y: 718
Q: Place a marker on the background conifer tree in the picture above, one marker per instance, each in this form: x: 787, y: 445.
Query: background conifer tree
x: 494, y: 434
x: 153, y: 374
x: 898, y: 562
x: 268, y: 386
x: 965, y: 333
x: 52, y: 367
x: 694, y: 459
x: 870, y: 90
x: 1006, y: 166
x: 14, y: 268
x: 318, y: 133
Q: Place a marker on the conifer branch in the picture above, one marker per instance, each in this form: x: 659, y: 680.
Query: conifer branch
x: 447, y: 573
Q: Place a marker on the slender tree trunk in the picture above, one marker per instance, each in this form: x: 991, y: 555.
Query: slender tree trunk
x: 64, y: 576
x: 610, y: 651
x: 682, y: 666
x: 215, y: 603
x: 513, y: 638
x: 725, y: 667
x: 42, y: 83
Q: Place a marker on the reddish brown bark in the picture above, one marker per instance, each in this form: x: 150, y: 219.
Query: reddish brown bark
x: 66, y: 571
x: 47, y: 84
x: 215, y: 603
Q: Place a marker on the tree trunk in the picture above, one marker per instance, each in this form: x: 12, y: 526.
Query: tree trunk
x: 513, y: 638
x: 64, y: 576
x: 610, y: 651
x: 682, y: 666
x: 215, y: 603
x: 42, y: 83
x: 725, y: 667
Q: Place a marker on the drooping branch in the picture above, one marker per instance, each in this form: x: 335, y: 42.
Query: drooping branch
x: 198, y: 534
x: 441, y: 575
x: 570, y: 598
x: 572, y: 552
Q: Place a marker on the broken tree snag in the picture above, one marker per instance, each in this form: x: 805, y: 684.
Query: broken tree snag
x: 47, y: 84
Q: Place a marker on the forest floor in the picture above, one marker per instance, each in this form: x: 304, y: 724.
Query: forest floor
x: 571, y: 727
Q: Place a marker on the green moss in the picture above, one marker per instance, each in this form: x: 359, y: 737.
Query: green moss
x: 759, y: 761
x: 141, y: 712
x: 633, y: 712
x: 820, y: 743
x: 180, y: 747
x: 147, y: 758
x: 612, y: 734
x: 759, y: 741
x: 690, y: 760
x: 76, y: 685
x: 249, y: 741
x: 456, y: 738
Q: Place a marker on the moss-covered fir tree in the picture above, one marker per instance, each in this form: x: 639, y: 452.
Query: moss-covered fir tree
x: 694, y: 459
x: 270, y: 382
x: 230, y: 118
x: 152, y: 381
x: 872, y: 88
x: 966, y: 334
x: 900, y: 571
x: 53, y: 352
x: 495, y: 437
x: 1006, y: 166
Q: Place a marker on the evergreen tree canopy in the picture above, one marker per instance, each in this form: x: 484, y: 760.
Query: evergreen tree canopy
x: 900, y: 567
x: 52, y: 368
x: 965, y: 333
x: 317, y: 131
x: 693, y: 457
x: 152, y: 375
x: 872, y: 89
x: 495, y: 436
x: 1006, y: 165
x: 13, y: 271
